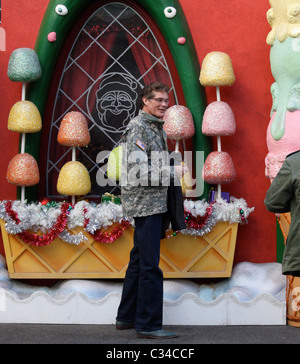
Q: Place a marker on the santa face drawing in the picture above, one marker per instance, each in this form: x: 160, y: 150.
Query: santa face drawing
x: 116, y: 102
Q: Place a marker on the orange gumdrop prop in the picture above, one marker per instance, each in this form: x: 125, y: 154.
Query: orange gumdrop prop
x: 74, y: 130
x: 23, y: 170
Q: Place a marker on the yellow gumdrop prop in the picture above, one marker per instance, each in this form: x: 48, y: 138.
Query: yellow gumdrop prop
x: 186, y: 182
x: 24, y: 117
x: 114, y: 164
x: 217, y: 70
x: 73, y: 179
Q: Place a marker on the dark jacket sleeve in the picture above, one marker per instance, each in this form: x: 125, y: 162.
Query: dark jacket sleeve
x: 279, y: 195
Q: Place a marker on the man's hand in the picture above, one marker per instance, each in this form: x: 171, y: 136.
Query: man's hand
x: 181, y: 170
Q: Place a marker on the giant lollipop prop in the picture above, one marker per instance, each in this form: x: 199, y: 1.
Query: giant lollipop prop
x: 179, y: 125
x: 218, y: 118
x: 24, y: 66
x: 24, y: 117
x: 74, y: 179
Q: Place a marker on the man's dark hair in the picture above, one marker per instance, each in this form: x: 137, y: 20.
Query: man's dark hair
x: 148, y: 90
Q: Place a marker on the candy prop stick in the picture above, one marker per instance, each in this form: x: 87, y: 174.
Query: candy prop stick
x: 23, y: 135
x: 219, y: 140
x: 73, y: 154
x: 218, y: 136
x: 73, y: 160
x: 73, y: 132
x: 179, y: 125
x: 24, y: 66
x: 24, y: 117
x: 218, y: 118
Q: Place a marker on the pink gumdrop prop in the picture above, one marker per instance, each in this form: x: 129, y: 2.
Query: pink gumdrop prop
x: 218, y: 119
x: 51, y: 37
x: 179, y: 123
x: 181, y: 40
x: 218, y: 168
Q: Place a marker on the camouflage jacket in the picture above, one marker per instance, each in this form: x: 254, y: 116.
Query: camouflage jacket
x: 284, y: 196
x: 146, y: 173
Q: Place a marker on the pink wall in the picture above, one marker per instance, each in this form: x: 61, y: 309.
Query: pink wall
x: 216, y: 25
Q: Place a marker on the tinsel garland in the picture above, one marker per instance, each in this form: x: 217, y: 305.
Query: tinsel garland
x: 54, y: 219
x: 197, y: 222
x: 236, y: 211
x: 105, y: 237
x: 55, y: 231
x: 59, y: 228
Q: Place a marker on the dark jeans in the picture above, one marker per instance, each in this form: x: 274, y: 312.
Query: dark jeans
x: 142, y: 296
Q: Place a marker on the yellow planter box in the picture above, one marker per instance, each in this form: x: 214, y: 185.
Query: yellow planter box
x: 210, y: 255
x: 182, y: 256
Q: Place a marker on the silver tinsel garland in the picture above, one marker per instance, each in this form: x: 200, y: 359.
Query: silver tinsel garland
x: 38, y: 217
x: 222, y: 211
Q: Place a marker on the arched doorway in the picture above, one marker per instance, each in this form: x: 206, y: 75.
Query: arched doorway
x: 105, y: 51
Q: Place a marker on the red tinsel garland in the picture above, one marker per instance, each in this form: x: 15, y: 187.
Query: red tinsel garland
x: 60, y: 226
x: 11, y: 213
x: 198, y: 222
x: 46, y: 239
x: 104, y: 237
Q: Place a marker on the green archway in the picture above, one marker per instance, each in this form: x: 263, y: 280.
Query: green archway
x: 172, y: 28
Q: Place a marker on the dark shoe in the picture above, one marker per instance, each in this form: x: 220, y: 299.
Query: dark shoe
x: 157, y: 334
x: 121, y: 325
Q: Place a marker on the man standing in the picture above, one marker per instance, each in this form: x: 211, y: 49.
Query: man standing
x: 284, y: 196
x: 144, y: 198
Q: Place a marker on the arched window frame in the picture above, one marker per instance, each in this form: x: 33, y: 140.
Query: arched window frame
x: 172, y: 28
